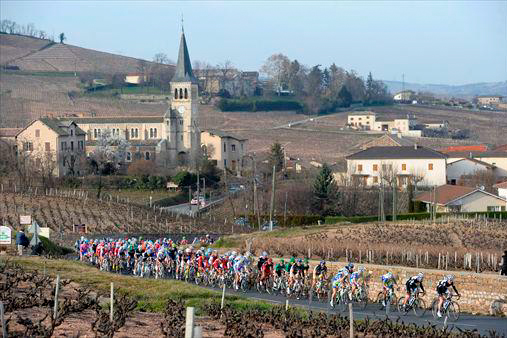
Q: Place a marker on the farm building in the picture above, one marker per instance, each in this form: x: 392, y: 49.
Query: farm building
x: 455, y: 198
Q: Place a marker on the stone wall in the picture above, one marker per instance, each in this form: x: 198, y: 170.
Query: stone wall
x: 480, y: 293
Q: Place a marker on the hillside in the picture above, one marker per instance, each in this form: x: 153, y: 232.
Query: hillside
x: 466, y: 91
x: 36, y: 55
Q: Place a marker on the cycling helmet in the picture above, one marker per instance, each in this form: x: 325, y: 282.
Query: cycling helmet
x: 233, y: 253
x: 282, y: 261
x: 420, y: 276
x: 350, y: 266
x: 299, y: 261
x: 450, y: 278
x: 306, y: 260
x: 361, y: 269
x: 264, y: 254
x: 389, y: 275
x: 292, y: 260
x: 322, y: 262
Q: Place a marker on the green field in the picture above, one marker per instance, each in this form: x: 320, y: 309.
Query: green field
x: 148, y: 90
x: 151, y: 294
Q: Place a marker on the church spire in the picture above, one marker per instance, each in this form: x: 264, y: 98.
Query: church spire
x: 183, y: 72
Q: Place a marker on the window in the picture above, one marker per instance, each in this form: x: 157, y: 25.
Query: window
x: 225, y: 148
x: 27, y: 146
x: 186, y: 93
x: 63, y: 146
x: 225, y: 163
x: 134, y: 133
x: 37, y: 132
x: 155, y: 132
x: 241, y: 146
x: 352, y: 119
x: 430, y: 166
x: 72, y: 132
x: 233, y: 147
x: 359, y: 167
x: 403, y: 166
x: 375, y: 167
x: 175, y: 93
x: 375, y: 179
x: 181, y: 137
x: 181, y: 122
x: 129, y: 156
x: 95, y: 134
x: 71, y: 145
x: 80, y: 145
x: 48, y: 146
x: 151, y: 132
x: 63, y: 161
x: 147, y: 156
x: 181, y: 93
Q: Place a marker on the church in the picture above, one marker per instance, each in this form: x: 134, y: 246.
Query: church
x: 170, y: 140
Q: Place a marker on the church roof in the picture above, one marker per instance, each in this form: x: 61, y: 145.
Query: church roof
x: 183, y: 72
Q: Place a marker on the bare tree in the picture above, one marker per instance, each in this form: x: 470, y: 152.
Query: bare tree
x: 225, y: 73
x: 277, y: 68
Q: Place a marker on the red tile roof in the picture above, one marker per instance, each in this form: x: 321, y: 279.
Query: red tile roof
x: 501, y: 148
x: 475, y: 148
x: 9, y: 132
x: 445, y: 194
x: 501, y: 185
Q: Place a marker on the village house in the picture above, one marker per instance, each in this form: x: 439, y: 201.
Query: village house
x: 235, y: 82
x: 404, y: 96
x: 488, y: 100
x: 225, y: 149
x: 502, y: 189
x: 401, y: 165
x: 54, y: 145
x: 494, y: 158
x: 387, y: 140
x: 467, y: 167
x: 361, y: 120
x: 455, y: 198
x: 369, y: 121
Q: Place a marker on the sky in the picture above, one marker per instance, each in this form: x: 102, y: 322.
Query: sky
x: 437, y: 42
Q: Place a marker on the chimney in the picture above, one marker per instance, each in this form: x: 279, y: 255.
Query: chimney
x: 415, y: 146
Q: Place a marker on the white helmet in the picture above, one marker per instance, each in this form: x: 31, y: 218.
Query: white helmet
x: 420, y: 276
x: 450, y: 278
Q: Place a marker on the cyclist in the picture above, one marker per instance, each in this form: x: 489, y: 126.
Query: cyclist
x: 388, y: 282
x: 262, y: 259
x: 442, y: 291
x: 319, y: 272
x: 354, y: 281
x: 296, y: 271
x: 306, y: 267
x: 338, y: 282
x: 266, y: 270
x: 412, y: 284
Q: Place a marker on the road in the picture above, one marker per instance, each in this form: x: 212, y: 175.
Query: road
x: 191, y: 210
x: 466, y: 321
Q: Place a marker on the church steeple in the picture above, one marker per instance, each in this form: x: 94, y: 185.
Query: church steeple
x: 183, y: 72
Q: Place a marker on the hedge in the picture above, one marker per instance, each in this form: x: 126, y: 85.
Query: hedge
x: 258, y: 105
x: 416, y: 216
x: 291, y: 221
x: 173, y: 200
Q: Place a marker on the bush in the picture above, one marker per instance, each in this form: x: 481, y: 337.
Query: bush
x: 173, y: 200
x: 292, y: 220
x: 258, y: 105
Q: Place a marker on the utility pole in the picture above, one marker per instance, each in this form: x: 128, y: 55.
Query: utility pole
x: 198, y: 196
x: 272, y: 207
x: 285, y: 211
x: 190, y: 200
x: 204, y: 189
x: 382, y: 213
x: 256, y: 201
x: 394, y: 200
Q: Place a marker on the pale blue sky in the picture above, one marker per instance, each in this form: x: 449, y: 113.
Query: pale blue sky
x: 447, y: 42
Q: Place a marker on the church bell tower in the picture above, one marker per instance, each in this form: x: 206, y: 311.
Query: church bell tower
x: 183, y: 134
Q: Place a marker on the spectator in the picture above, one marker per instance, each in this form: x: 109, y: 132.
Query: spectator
x: 21, y: 241
x: 504, y: 264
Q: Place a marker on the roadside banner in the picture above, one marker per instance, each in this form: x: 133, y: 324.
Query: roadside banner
x: 5, y: 235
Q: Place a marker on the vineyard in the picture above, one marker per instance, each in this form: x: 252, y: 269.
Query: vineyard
x: 460, y: 244
x: 60, y: 210
x: 29, y: 301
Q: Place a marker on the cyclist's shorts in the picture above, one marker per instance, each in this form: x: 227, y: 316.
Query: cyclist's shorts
x: 441, y: 290
x: 410, y: 287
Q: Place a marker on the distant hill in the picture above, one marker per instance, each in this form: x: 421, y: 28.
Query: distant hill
x: 32, y: 54
x: 464, y: 91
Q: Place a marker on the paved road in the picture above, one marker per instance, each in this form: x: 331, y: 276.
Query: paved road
x: 466, y: 321
x: 190, y: 210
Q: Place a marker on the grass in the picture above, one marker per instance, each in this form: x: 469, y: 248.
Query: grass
x: 148, y: 90
x: 41, y: 73
x: 137, y: 196
x: 151, y: 294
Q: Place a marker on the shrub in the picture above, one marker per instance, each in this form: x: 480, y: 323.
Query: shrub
x: 258, y: 105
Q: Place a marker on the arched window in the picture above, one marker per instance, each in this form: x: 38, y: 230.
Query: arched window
x: 175, y: 93
x: 181, y: 93
x: 186, y: 93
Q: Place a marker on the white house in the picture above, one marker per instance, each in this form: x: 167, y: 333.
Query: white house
x: 419, y: 165
x: 403, y: 96
x: 455, y: 198
x: 495, y: 158
x: 502, y: 189
x: 361, y: 120
x: 466, y: 167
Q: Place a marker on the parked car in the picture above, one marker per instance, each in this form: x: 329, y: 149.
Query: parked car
x: 241, y: 221
x: 265, y: 226
x: 201, y: 200
x: 233, y: 188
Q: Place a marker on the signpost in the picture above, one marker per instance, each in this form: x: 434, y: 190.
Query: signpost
x: 5, y: 235
x: 25, y: 219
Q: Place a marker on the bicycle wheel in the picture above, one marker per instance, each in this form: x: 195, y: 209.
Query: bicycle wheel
x: 343, y: 302
x: 401, y: 308
x: 363, y: 300
x: 380, y: 299
x: 453, y: 312
x: 419, y: 307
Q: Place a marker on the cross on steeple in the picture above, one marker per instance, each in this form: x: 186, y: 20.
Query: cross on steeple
x: 182, y: 28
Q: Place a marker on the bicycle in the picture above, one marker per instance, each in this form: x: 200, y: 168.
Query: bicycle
x: 389, y: 302
x: 414, y: 303
x: 450, y: 308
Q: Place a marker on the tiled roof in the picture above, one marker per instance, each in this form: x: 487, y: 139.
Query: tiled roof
x: 465, y: 148
x: 479, y: 154
x: 501, y: 148
x: 60, y: 126
x: 501, y: 185
x: 408, y: 152
x: 116, y: 119
x: 361, y: 113
x: 444, y: 194
x: 490, y: 166
x: 221, y: 133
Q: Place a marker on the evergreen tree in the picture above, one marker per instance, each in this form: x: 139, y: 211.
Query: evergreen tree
x: 345, y: 97
x: 322, y: 189
x: 276, y: 156
x: 370, y: 90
